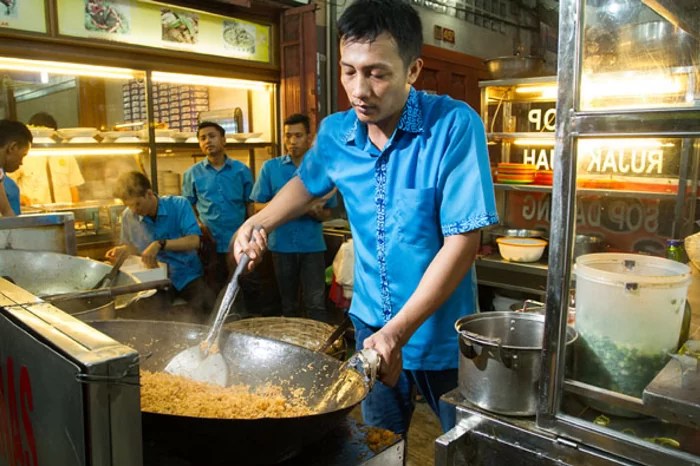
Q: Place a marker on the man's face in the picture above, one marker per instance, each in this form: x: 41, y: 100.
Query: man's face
x: 296, y: 139
x: 211, y: 141
x: 14, y: 153
x: 375, y: 78
x: 142, y: 205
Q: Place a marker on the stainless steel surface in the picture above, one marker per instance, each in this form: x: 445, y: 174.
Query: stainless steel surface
x: 43, y: 273
x: 587, y: 244
x: 674, y: 394
x: 203, y: 362
x: 525, y: 277
x: 47, y: 232
x: 657, y: 43
x: 518, y: 232
x: 515, y: 67
x: 252, y: 361
x: 77, y: 391
x: 499, y: 367
x: 485, y: 439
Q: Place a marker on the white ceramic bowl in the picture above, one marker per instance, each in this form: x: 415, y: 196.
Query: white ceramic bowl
x: 521, y: 249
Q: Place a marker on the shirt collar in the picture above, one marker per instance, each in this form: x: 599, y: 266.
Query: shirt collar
x: 160, y: 211
x: 227, y: 162
x: 286, y: 159
x: 411, y: 120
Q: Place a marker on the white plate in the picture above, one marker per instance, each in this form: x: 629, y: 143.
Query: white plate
x: 164, y: 139
x: 81, y: 140
x: 71, y: 133
x: 42, y: 131
x: 43, y: 140
x: 193, y: 139
x: 127, y: 139
x: 185, y: 135
x: 241, y: 137
x: 120, y: 134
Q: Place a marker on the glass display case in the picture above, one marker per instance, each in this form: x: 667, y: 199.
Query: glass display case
x: 92, y: 123
x: 625, y: 161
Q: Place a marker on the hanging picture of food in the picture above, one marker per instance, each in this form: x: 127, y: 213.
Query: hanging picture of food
x: 239, y: 37
x: 8, y: 8
x: 106, y: 16
x: 178, y: 26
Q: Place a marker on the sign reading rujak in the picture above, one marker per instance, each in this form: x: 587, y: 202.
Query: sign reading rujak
x: 165, y: 27
x: 24, y: 15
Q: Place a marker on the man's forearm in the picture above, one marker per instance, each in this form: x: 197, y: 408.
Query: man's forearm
x: 292, y: 201
x: 186, y: 243
x: 439, y: 281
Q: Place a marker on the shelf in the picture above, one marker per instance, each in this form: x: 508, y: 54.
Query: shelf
x: 598, y: 192
x: 529, y: 277
x: 518, y: 81
x: 544, y: 136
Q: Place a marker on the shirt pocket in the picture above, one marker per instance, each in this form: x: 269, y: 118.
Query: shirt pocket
x: 416, y: 216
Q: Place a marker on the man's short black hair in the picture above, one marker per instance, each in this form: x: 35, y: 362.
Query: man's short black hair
x: 43, y: 119
x: 365, y: 20
x: 211, y: 124
x: 14, y: 131
x: 296, y: 118
x: 131, y: 184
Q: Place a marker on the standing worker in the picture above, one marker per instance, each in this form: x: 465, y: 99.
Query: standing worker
x: 413, y: 170
x: 15, y: 142
x: 297, y: 246
x: 48, y: 180
x: 219, y: 189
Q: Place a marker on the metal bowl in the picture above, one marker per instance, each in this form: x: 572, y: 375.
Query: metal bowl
x: 519, y: 232
x: 656, y: 42
x: 515, y: 67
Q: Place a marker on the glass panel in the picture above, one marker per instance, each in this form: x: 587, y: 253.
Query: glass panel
x: 245, y: 109
x: 633, y: 194
x: 72, y: 110
x: 632, y: 57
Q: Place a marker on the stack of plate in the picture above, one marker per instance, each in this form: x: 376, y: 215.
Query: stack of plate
x: 515, y: 173
x: 544, y: 177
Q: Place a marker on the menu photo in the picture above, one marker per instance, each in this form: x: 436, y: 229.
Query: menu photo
x: 179, y: 26
x: 108, y: 16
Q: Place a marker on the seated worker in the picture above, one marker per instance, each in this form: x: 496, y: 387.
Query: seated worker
x: 48, y: 180
x: 163, y: 228
x: 15, y: 142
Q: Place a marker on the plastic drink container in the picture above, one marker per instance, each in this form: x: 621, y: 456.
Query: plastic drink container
x: 629, y: 311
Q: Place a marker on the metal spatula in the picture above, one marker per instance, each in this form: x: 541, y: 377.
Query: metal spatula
x: 108, y: 278
x: 204, y: 361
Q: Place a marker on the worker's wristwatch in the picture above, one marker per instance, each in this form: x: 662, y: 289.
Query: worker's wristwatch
x: 162, y: 243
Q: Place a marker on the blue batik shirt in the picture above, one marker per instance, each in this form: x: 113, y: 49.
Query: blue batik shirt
x: 302, y: 235
x: 174, y: 219
x: 220, y: 196
x: 12, y: 192
x: 431, y: 180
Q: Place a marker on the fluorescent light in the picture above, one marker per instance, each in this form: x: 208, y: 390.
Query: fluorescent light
x: 63, y: 152
x: 547, y: 142
x: 634, y: 84
x: 71, y: 69
x: 625, y: 143
x: 199, y: 80
x: 544, y: 91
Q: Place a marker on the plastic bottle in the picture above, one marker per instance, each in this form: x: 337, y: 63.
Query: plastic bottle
x: 675, y: 250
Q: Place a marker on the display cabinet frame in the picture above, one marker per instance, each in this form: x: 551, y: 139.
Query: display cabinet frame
x: 573, y: 124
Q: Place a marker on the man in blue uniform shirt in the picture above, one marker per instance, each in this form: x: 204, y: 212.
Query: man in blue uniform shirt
x: 413, y: 170
x: 297, y: 247
x: 163, y: 228
x: 219, y: 189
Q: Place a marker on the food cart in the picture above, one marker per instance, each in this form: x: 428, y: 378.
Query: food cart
x: 626, y: 128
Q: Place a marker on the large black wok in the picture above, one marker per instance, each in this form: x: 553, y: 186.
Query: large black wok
x: 254, y: 361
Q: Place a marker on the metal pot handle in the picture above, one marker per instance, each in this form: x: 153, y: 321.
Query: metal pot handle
x: 467, y: 349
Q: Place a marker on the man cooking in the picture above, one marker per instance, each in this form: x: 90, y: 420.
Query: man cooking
x: 163, y: 228
x: 413, y: 170
x: 15, y: 142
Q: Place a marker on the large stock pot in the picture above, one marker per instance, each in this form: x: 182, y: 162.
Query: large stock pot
x: 499, y: 367
x: 47, y: 273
